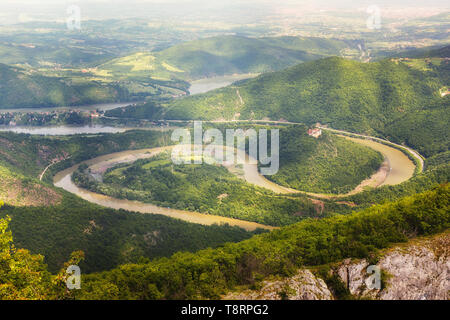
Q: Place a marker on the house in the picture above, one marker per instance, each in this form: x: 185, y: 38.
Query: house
x: 316, y: 132
x: 95, y: 114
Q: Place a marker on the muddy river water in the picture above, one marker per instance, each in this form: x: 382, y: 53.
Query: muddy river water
x: 63, y: 180
x: 398, y: 168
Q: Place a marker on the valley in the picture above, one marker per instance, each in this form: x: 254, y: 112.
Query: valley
x: 244, y: 150
x: 400, y: 170
x: 64, y: 180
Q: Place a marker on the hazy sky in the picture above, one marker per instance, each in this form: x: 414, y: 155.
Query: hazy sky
x: 12, y: 11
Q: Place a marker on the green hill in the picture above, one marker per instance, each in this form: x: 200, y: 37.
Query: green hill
x: 25, y: 88
x: 328, y: 164
x: 223, y: 55
x: 233, y: 54
x: 426, y: 130
x: 345, y: 94
x: 210, y: 273
x: 141, y: 75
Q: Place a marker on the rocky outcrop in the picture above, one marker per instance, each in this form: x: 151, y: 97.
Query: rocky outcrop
x: 418, y: 270
x: 303, y: 286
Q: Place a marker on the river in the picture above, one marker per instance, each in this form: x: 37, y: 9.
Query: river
x: 208, y: 84
x: 63, y: 130
x: 400, y: 168
x: 63, y: 180
x: 197, y: 86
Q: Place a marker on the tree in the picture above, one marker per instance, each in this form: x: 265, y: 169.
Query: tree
x: 24, y: 276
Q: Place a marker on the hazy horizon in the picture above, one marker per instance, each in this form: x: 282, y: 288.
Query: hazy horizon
x: 17, y: 11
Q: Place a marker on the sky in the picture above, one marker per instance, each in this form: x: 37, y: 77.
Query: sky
x: 13, y: 11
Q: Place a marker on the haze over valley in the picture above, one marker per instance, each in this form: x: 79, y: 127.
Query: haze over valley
x: 208, y: 150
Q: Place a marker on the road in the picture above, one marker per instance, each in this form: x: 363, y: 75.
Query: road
x: 413, y: 152
x: 63, y: 180
x: 41, y: 176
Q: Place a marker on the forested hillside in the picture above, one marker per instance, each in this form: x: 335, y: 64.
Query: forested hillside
x: 369, y: 98
x: 108, y: 237
x: 328, y: 164
x: 52, y: 222
x: 209, y: 273
x: 343, y: 93
x: 224, y: 55
x: 426, y: 130
x: 212, y: 272
x: 25, y: 88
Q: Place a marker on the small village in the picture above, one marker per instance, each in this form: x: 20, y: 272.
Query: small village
x: 70, y: 117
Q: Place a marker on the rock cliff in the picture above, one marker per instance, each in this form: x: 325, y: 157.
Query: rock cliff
x: 417, y: 270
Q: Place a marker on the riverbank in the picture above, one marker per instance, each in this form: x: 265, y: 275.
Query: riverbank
x: 63, y: 180
x: 400, y: 170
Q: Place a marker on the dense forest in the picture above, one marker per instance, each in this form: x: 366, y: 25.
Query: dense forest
x: 328, y: 164
x: 108, y: 237
x: 366, y: 98
x: 212, y: 272
x: 425, y: 130
x: 52, y: 222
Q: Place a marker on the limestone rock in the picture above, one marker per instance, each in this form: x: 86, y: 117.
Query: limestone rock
x: 417, y: 271
x: 303, y: 286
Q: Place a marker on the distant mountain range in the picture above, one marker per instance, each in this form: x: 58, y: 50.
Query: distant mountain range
x: 144, y: 74
x: 25, y: 88
x: 223, y: 55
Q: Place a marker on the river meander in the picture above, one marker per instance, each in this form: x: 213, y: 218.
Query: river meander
x: 400, y: 168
